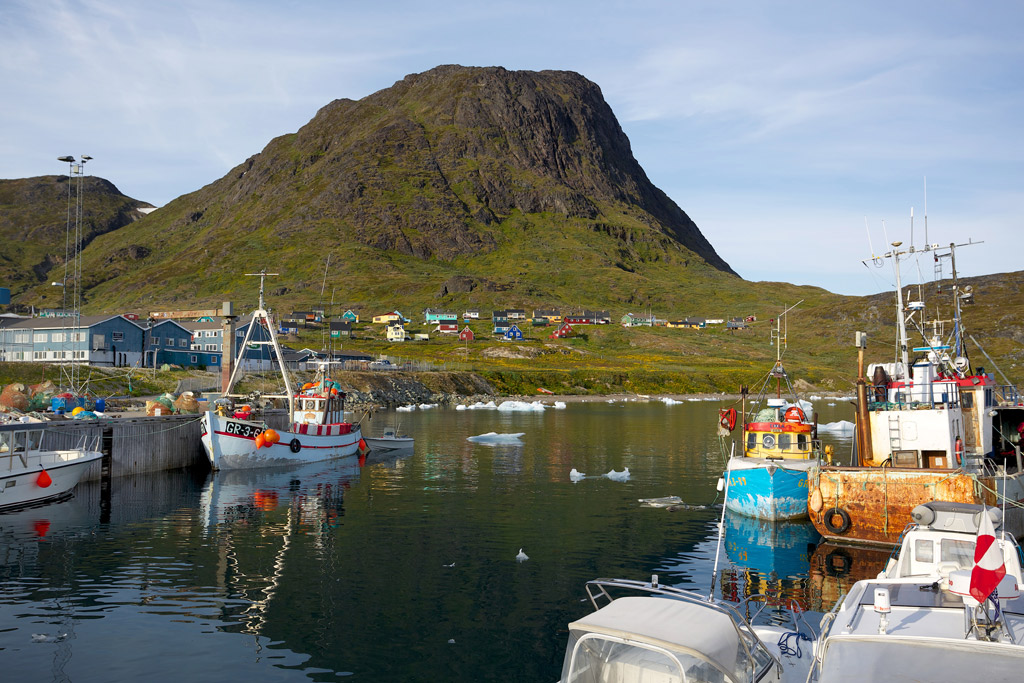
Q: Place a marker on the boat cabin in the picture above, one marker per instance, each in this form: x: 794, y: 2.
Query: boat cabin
x: 779, y: 431
x: 17, y: 441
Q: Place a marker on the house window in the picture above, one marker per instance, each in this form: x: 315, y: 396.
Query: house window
x: 98, y: 342
x: 211, y: 347
x: 21, y: 337
x: 154, y: 341
x: 58, y: 337
x: 117, y: 336
x: 183, y: 343
x: 213, y: 360
x: 40, y: 337
x: 78, y: 336
x: 193, y: 359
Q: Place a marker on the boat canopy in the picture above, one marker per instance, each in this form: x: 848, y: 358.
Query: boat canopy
x: 631, y: 638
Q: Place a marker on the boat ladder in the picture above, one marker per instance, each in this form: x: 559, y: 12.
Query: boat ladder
x: 895, y: 442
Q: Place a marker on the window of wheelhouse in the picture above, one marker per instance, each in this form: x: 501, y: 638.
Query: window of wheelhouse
x: 751, y: 441
x: 785, y: 441
x: 802, y: 442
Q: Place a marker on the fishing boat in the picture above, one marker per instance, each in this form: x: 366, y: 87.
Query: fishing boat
x: 31, y: 474
x: 236, y: 437
x: 389, y: 440
x: 644, y: 631
x: 927, y: 616
x: 929, y: 429
x: 768, y: 479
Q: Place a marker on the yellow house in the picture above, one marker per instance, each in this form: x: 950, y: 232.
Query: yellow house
x: 387, y: 318
x: 396, y: 332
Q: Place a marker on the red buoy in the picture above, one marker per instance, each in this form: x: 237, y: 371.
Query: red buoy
x: 43, y: 480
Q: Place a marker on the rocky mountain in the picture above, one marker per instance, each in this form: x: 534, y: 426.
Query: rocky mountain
x: 451, y: 185
x: 34, y: 221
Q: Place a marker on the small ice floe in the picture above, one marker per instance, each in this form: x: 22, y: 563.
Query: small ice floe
x: 618, y: 476
x: 451, y: 641
x: 40, y: 637
x: 814, y: 398
x: 496, y: 438
x: 559, y: 405
x: 693, y: 400
x: 520, y: 407
x: 669, y: 401
x: 575, y: 475
x: 448, y: 566
x: 663, y: 502
x: 427, y: 406
x: 841, y: 427
x: 460, y: 407
x: 832, y: 403
x: 405, y: 409
x: 522, y: 557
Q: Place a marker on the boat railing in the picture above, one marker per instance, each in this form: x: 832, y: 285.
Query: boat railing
x: 1007, y: 395
x: 878, y: 398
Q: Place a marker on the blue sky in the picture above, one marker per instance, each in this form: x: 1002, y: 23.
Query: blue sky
x: 786, y: 130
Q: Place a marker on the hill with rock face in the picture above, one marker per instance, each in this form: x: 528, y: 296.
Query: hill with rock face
x: 449, y: 186
x: 34, y: 221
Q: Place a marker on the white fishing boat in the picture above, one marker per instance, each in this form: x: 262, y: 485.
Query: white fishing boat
x: 927, y: 616
x: 32, y: 474
x: 673, y: 635
x: 389, y: 440
x: 236, y: 438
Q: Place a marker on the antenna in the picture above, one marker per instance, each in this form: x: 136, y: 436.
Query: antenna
x: 868, y: 230
x: 926, y: 211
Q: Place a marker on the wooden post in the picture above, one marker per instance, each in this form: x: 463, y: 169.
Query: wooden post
x: 863, y: 423
x: 106, y: 472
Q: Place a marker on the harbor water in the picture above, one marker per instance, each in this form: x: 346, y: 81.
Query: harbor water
x: 402, y: 569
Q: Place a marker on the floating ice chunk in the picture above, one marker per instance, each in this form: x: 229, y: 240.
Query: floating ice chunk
x: 559, y: 405
x: 522, y: 557
x: 832, y: 403
x: 663, y: 502
x: 841, y: 427
x: 692, y: 399
x: 405, y: 409
x: 814, y: 398
x: 451, y: 641
x: 460, y: 407
x: 618, y: 476
x: 39, y: 638
x: 449, y: 566
x: 575, y: 475
x: 480, y: 405
x: 670, y: 401
x: 521, y: 406
x: 427, y: 406
x: 496, y: 438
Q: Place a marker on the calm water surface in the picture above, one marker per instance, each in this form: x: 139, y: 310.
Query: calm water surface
x: 401, y: 570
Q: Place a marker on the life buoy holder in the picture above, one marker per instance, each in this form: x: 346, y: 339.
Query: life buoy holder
x: 958, y: 451
x: 795, y: 414
x: 295, y: 445
x: 727, y: 418
x: 844, y: 520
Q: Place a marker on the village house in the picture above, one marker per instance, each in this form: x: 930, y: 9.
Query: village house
x: 396, y: 332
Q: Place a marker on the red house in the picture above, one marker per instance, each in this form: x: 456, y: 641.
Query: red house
x: 466, y: 334
x: 564, y: 330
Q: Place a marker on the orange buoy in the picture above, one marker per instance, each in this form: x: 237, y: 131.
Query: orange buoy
x: 363, y: 448
x: 44, y: 479
x: 261, y: 441
x: 270, y: 436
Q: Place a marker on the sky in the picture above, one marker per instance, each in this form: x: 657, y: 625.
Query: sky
x: 799, y: 136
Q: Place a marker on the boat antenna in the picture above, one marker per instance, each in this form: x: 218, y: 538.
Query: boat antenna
x: 870, y: 246
x: 926, y: 212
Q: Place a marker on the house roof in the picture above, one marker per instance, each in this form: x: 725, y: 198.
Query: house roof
x: 68, y: 322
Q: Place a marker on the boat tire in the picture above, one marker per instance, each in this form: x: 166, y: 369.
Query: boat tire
x: 295, y: 445
x: 838, y: 562
x: 844, y: 520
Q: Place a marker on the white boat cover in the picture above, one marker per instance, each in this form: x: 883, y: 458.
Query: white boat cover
x: 902, y: 660
x: 671, y: 624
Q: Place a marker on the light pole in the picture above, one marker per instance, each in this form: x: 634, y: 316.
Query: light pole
x: 73, y: 257
x: 67, y: 371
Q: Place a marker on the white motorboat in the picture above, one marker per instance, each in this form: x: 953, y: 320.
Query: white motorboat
x: 235, y: 438
x: 673, y: 635
x: 917, y: 621
x: 389, y: 440
x: 32, y: 474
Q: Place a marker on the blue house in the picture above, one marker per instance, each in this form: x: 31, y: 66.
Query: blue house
x: 169, y: 342
x: 513, y: 333
x: 500, y: 321
x: 111, y: 340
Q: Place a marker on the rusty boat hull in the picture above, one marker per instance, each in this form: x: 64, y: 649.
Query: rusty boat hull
x: 872, y: 505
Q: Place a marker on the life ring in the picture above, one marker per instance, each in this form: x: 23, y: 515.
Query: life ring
x: 815, y: 502
x: 727, y: 418
x: 795, y: 414
x: 958, y: 450
x: 838, y: 563
x: 295, y: 445
x: 844, y: 520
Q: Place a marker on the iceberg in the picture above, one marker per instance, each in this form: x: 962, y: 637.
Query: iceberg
x: 521, y: 406
x: 575, y: 475
x: 618, y: 476
x: 670, y: 401
x: 841, y: 427
x: 496, y: 438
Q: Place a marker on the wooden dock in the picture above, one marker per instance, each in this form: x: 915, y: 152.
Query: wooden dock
x: 139, y: 444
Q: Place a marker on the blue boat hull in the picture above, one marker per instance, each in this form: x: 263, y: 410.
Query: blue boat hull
x: 767, y: 489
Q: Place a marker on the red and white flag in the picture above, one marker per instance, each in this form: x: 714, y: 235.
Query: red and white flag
x: 988, y: 561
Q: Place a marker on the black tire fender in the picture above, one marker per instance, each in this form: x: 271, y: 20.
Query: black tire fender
x: 844, y: 520
x: 295, y: 445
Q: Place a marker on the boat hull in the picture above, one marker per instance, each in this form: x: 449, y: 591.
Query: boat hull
x: 767, y: 489
x: 21, y: 486
x: 387, y: 444
x: 874, y: 503
x: 230, y: 444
